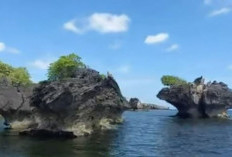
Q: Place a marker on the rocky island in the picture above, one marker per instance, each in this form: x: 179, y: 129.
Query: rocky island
x: 75, y: 106
x: 76, y: 100
x: 136, y: 104
x: 198, y: 99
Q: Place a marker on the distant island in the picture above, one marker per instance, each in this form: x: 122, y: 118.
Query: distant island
x: 136, y: 104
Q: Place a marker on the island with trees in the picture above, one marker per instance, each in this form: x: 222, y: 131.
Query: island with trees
x: 197, y: 99
x: 76, y: 100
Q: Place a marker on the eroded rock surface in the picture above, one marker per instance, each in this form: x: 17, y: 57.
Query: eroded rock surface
x: 72, y: 107
x: 15, y: 106
x: 199, y: 100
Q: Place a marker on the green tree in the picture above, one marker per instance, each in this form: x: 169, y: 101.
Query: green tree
x: 17, y: 76
x: 20, y: 77
x: 169, y: 80
x: 5, y: 69
x: 64, y: 67
x: 103, y: 76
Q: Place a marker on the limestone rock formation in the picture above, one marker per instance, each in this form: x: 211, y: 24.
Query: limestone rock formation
x: 72, y: 107
x: 15, y: 106
x: 136, y: 104
x: 199, y: 100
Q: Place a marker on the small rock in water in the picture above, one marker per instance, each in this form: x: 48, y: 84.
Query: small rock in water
x: 47, y: 133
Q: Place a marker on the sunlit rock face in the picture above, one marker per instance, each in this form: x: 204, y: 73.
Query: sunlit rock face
x: 72, y: 107
x: 199, y: 100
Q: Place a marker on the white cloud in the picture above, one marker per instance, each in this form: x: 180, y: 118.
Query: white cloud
x: 207, y: 2
x: 4, y: 48
x: 158, y: 38
x: 220, y: 12
x: 173, y: 47
x: 12, y: 50
x: 70, y: 26
x: 109, y: 23
x: 41, y: 64
x: 230, y: 67
x: 115, y: 45
x: 124, y: 69
x: 100, y: 22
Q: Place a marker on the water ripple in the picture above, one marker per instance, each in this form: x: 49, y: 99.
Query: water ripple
x: 143, y: 134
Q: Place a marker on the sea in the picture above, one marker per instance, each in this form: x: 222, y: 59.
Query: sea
x: 156, y: 133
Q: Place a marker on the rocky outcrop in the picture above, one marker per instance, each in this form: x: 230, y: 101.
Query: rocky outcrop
x: 15, y: 106
x: 72, y: 107
x: 199, y: 100
x: 136, y: 104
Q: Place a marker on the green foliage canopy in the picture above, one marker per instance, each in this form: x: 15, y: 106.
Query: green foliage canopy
x: 5, y: 69
x: 20, y: 76
x: 17, y: 76
x: 169, y: 80
x: 103, y: 76
x: 64, y: 67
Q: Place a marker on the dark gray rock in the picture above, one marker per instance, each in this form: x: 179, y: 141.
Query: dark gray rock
x: 136, y: 104
x: 14, y: 104
x: 47, y: 134
x: 79, y: 105
x: 199, y: 100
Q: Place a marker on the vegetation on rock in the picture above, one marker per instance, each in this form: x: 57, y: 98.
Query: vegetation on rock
x: 17, y: 76
x: 103, y: 76
x: 169, y: 80
x: 65, y: 67
x: 199, y: 99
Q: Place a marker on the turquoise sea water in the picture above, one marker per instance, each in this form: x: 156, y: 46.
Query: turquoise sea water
x: 153, y: 133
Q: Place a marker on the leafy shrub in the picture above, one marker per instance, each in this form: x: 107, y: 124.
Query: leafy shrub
x: 169, y: 80
x: 5, y: 69
x: 20, y: 76
x: 17, y: 76
x: 103, y: 76
x: 64, y: 67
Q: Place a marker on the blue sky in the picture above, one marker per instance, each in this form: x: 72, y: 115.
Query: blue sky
x: 137, y: 41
